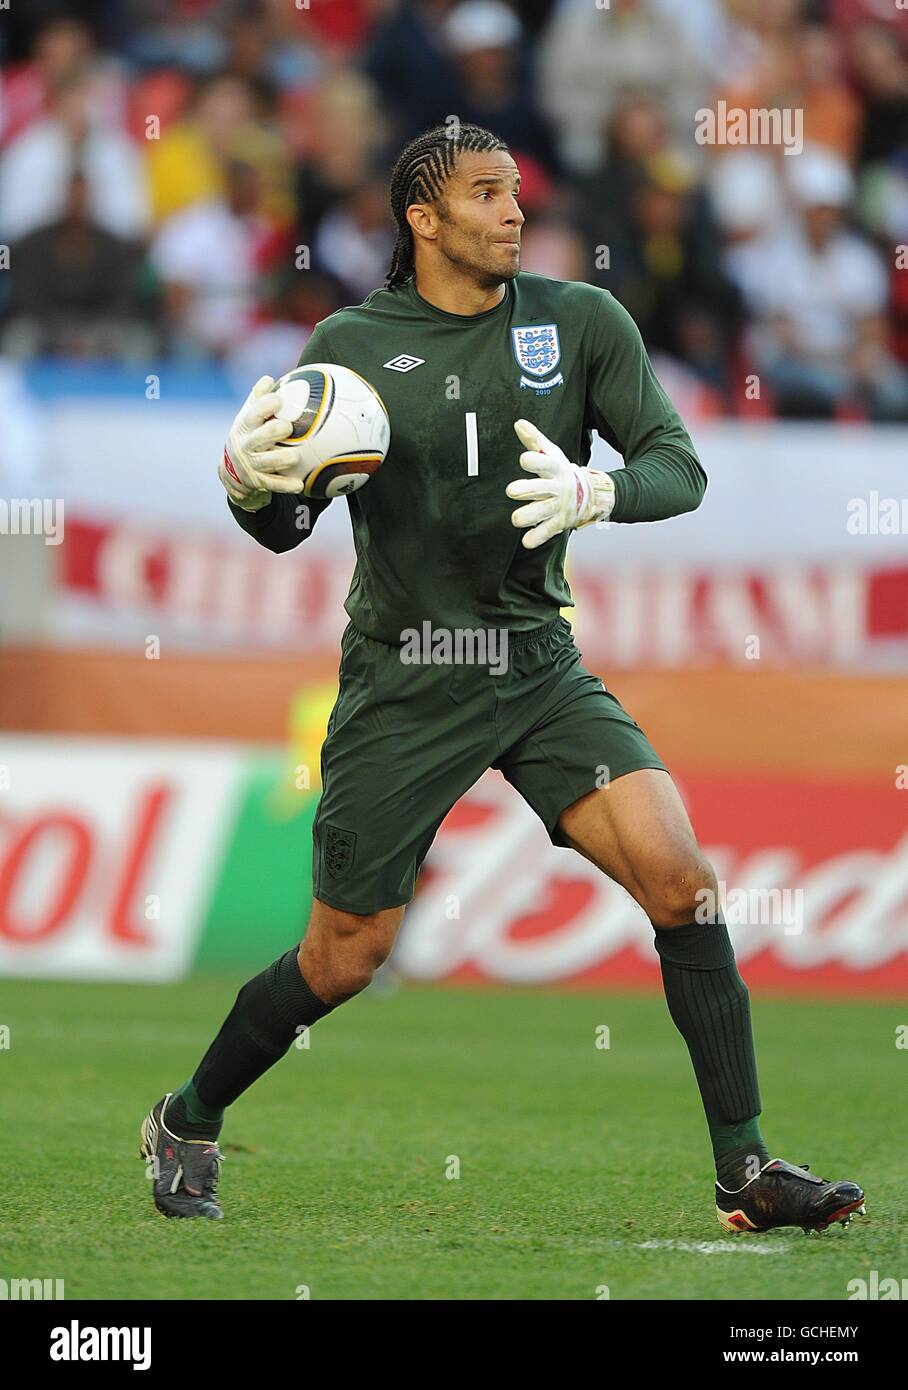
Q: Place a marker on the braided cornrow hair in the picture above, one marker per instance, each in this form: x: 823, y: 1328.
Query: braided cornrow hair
x: 419, y: 176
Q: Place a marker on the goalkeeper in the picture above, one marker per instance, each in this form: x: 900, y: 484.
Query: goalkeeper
x: 494, y: 380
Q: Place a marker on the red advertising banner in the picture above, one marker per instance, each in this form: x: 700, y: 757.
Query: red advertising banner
x: 813, y: 875
x: 113, y: 852
x: 122, y: 580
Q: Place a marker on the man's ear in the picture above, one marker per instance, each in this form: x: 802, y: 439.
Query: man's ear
x: 423, y: 221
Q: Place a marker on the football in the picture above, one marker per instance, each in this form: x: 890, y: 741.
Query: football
x: 341, y: 423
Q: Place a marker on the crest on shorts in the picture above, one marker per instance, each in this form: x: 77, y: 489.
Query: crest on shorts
x: 537, y: 349
x: 339, y: 848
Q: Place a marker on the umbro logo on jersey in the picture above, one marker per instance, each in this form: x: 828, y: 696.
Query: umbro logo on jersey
x: 404, y: 363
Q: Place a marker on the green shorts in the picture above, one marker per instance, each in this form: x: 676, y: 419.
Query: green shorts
x: 404, y: 742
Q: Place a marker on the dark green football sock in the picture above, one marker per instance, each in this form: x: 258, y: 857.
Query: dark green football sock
x: 739, y: 1152
x: 269, y: 1012
x: 189, y: 1117
x: 710, y: 1007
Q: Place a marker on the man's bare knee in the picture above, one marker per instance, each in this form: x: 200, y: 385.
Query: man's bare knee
x: 681, y: 891
x: 342, y: 950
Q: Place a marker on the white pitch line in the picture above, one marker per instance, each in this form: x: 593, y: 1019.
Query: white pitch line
x: 713, y: 1247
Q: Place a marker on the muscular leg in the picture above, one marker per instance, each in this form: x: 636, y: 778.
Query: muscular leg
x: 637, y: 831
x: 341, y: 951
x: 338, y: 957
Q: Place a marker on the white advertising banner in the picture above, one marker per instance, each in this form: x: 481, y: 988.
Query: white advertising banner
x: 801, y: 541
x: 107, y: 852
x: 776, y: 491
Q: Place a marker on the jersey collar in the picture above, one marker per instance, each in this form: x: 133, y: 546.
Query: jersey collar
x: 425, y: 307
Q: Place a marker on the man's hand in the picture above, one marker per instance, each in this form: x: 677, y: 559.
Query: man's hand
x: 562, y: 496
x: 251, y: 467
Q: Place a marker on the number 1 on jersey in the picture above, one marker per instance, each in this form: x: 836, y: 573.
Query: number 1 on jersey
x: 472, y: 446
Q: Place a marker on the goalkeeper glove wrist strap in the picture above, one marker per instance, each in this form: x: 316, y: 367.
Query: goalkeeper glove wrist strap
x: 600, y: 499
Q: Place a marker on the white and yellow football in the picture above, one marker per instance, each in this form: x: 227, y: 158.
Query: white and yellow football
x: 340, y: 424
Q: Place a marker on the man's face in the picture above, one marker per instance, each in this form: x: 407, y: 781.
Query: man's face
x: 476, y: 224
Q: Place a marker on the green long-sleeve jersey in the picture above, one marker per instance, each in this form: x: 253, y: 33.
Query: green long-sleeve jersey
x: 432, y: 528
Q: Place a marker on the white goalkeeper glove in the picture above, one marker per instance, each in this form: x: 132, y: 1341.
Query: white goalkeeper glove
x: 562, y: 496
x: 251, y: 467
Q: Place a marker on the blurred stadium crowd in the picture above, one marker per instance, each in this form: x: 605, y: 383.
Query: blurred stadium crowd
x: 205, y: 179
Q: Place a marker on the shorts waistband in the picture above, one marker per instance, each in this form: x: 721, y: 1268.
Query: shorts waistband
x: 516, y: 640
x: 523, y: 639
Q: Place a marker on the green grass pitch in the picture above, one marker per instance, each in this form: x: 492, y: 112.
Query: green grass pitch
x: 580, y: 1167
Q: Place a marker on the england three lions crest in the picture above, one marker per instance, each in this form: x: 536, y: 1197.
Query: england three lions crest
x: 538, y: 351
